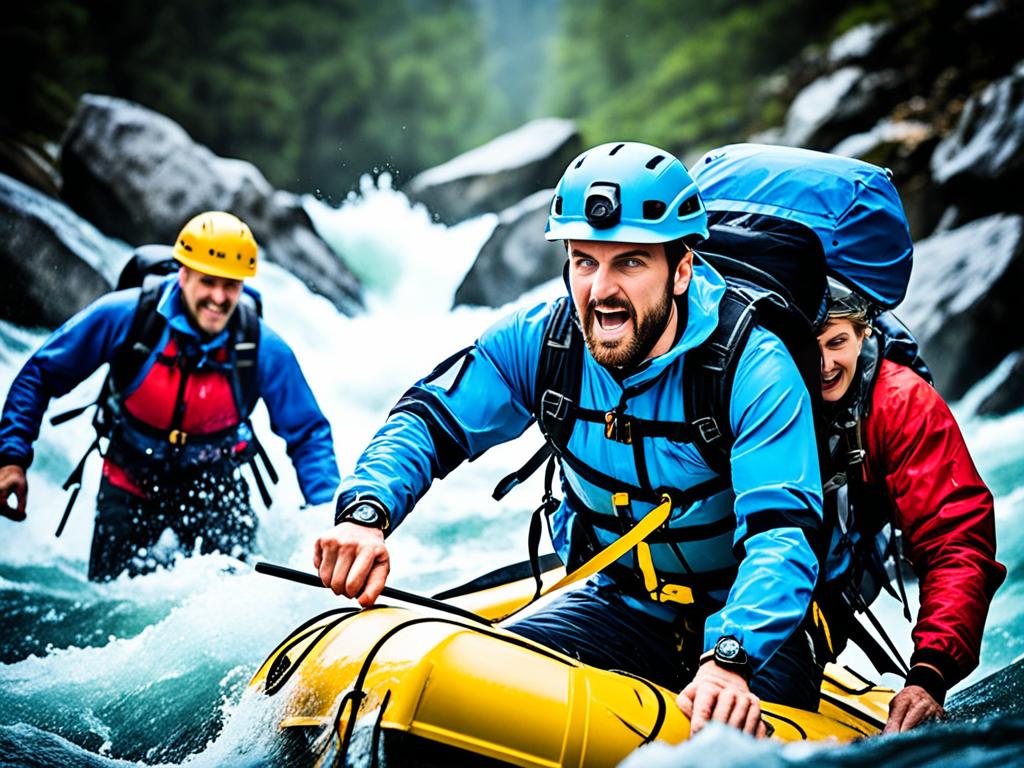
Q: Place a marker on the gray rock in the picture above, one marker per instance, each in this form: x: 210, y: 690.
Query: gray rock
x: 963, y: 301
x: 54, y: 262
x: 516, y: 257
x: 848, y: 99
x: 139, y: 176
x: 1008, y: 394
x: 988, y: 142
x: 500, y: 173
x: 858, y: 43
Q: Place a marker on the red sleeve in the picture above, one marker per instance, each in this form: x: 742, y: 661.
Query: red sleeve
x: 946, y: 514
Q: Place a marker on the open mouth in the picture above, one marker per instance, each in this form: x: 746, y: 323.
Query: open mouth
x: 829, y: 381
x: 611, y: 319
x: 212, y: 309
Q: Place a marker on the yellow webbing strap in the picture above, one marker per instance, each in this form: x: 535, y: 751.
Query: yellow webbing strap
x: 821, y: 623
x: 647, y: 525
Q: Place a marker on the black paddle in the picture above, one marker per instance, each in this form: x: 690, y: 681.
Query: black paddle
x: 312, y: 580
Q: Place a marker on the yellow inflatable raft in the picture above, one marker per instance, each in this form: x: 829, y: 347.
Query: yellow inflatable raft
x: 425, y: 687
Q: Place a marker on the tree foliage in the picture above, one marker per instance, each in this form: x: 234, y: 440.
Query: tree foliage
x: 315, y: 92
x: 682, y: 74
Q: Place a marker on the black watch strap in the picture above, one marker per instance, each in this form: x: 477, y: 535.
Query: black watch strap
x: 367, y: 512
x: 729, y: 654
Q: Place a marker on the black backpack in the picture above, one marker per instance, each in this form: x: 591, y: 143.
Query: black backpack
x: 147, y: 269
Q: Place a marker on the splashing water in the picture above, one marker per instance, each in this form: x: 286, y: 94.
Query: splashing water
x: 153, y: 670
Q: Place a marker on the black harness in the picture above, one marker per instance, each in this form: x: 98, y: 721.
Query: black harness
x: 707, y: 381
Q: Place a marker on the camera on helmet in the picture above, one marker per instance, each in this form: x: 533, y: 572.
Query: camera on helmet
x: 601, y: 205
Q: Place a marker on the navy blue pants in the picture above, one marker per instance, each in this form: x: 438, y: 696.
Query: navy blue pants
x: 599, y: 629
x: 205, y: 513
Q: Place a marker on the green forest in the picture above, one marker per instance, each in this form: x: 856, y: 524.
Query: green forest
x: 318, y: 92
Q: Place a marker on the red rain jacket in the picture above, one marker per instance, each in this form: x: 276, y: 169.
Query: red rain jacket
x: 915, y: 450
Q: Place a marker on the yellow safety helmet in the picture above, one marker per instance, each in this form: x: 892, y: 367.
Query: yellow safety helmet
x: 219, y: 244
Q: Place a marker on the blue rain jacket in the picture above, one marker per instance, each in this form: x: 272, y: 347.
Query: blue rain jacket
x: 90, y: 339
x: 487, y: 398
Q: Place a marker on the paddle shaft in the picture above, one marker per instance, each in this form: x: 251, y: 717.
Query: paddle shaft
x: 312, y: 580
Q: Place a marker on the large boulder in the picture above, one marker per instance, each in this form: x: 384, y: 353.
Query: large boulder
x: 54, y: 263
x: 846, y: 100
x: 139, y: 176
x: 981, y: 163
x: 516, y: 257
x: 1008, y: 393
x: 500, y: 173
x: 963, y: 301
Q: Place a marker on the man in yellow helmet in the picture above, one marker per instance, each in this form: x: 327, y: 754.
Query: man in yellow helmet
x: 189, y: 358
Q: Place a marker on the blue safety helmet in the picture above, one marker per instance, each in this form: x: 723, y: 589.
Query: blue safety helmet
x: 627, y: 192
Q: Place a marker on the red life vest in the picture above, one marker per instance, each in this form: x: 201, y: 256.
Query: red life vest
x: 207, y: 399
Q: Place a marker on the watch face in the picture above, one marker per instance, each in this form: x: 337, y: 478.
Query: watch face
x: 365, y: 514
x: 728, y: 648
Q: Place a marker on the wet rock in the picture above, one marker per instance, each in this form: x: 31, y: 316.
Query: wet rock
x: 859, y: 43
x: 516, y: 257
x: 985, y: 153
x: 847, y: 100
x: 963, y: 302
x: 498, y: 174
x: 54, y: 262
x: 29, y: 165
x: 1008, y: 393
x: 139, y: 176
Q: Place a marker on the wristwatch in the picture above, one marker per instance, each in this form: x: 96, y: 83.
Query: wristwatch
x: 365, y: 512
x: 729, y: 654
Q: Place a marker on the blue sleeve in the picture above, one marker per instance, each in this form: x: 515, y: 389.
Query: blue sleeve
x: 297, y: 419
x: 68, y: 357
x: 778, y: 504
x: 469, y: 403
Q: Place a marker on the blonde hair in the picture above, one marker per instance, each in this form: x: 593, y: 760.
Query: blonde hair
x: 858, y: 319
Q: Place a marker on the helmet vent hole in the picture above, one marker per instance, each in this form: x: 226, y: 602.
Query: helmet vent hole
x: 580, y: 162
x: 558, y: 205
x: 690, y: 205
x: 616, y: 149
x: 654, y: 209
x: 653, y: 162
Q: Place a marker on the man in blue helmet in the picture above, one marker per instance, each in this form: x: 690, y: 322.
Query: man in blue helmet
x: 713, y: 601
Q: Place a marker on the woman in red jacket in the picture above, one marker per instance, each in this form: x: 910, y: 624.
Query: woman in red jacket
x: 905, y: 465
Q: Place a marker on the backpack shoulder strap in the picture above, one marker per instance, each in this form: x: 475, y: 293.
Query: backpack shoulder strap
x: 559, y: 374
x: 245, y: 352
x: 708, y: 375
x: 556, y: 390
x: 144, y: 334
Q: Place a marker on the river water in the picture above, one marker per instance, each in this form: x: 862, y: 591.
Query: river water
x: 153, y: 670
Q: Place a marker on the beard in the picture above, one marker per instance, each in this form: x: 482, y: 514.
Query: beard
x: 634, y: 349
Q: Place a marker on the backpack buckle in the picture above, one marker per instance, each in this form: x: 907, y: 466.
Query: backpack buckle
x: 555, y: 404
x: 618, y: 427
x: 708, y: 428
